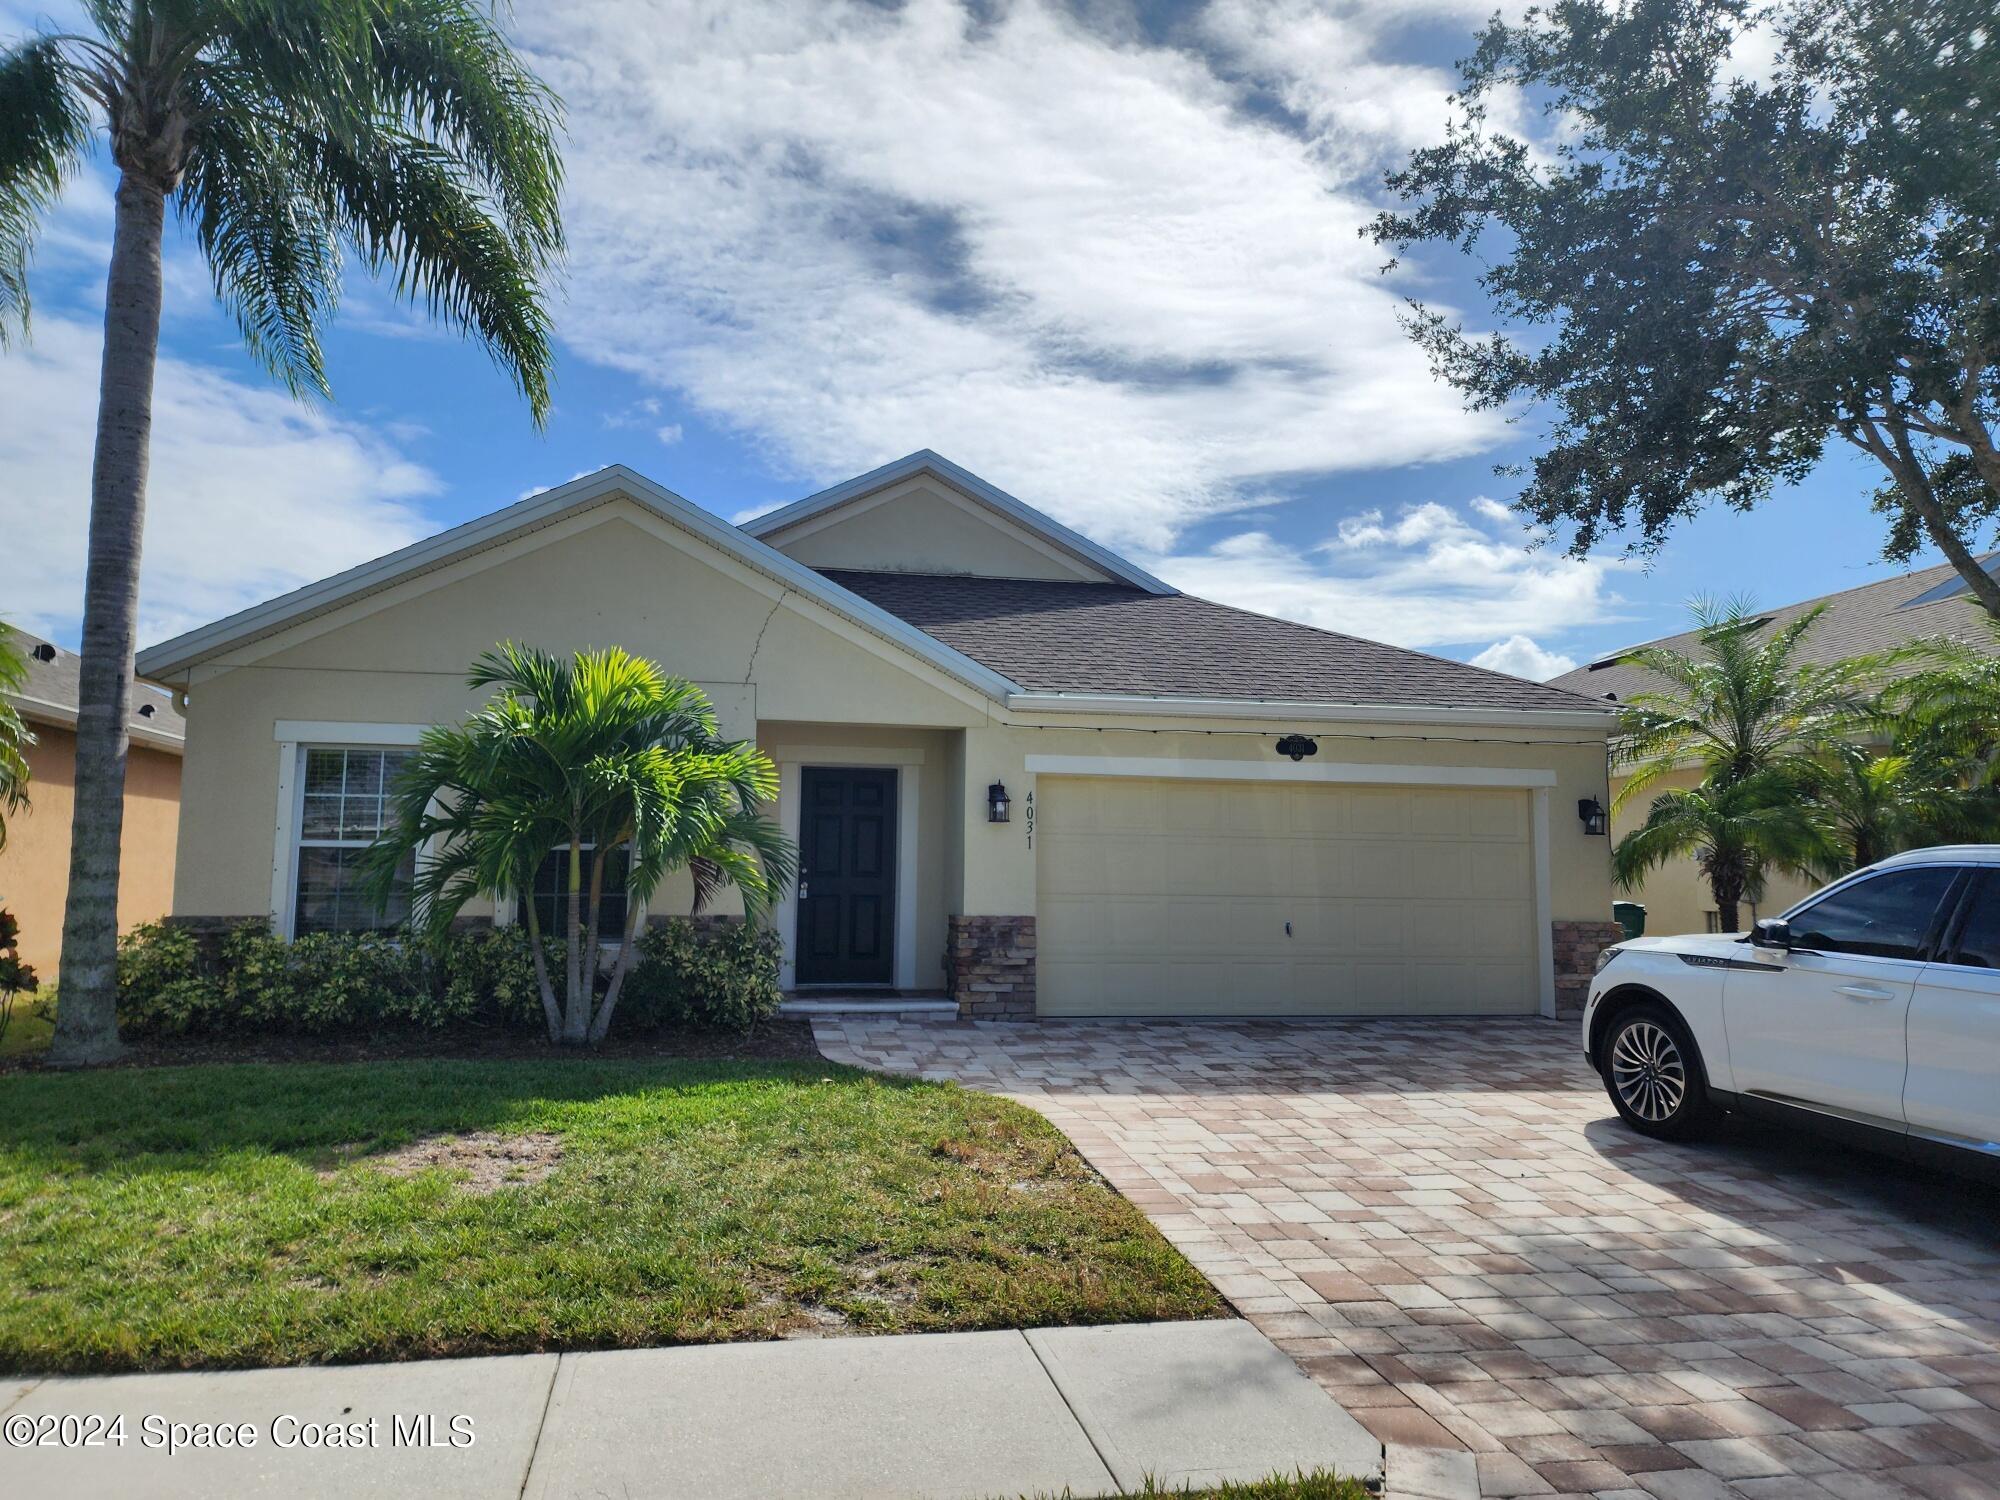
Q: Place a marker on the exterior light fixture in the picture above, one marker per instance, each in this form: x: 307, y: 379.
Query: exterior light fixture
x: 1298, y: 746
x: 1592, y: 812
x: 997, y: 805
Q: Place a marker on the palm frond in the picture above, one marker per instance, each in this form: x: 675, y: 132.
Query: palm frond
x: 44, y: 132
x: 270, y: 248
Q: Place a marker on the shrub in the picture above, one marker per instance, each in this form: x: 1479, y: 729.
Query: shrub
x: 724, y: 976
x: 164, y: 988
x: 172, y: 982
x: 485, y: 977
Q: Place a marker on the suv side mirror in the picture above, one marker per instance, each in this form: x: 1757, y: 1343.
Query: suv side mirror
x: 1772, y: 932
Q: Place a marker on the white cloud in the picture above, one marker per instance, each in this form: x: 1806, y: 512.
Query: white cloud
x: 1079, y: 263
x: 1521, y: 657
x: 250, y: 493
x: 1430, y: 576
x: 670, y: 434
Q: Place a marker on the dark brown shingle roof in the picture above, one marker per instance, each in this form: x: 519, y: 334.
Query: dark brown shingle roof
x: 1108, y: 638
x: 1858, y: 622
x: 50, y: 693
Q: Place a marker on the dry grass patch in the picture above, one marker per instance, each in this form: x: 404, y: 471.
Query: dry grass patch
x: 483, y: 1161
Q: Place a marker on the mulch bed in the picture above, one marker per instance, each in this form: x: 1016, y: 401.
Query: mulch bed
x: 776, y: 1040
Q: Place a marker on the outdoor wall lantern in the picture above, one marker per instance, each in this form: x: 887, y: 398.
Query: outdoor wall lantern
x: 1298, y: 746
x: 997, y: 803
x: 1592, y: 812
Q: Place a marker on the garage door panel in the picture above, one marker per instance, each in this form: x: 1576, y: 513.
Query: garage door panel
x: 1171, y: 897
x: 1381, y: 811
x: 1319, y: 812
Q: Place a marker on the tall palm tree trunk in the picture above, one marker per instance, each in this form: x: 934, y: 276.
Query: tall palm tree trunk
x: 86, y: 1013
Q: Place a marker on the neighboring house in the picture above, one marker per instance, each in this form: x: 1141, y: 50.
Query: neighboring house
x: 1858, y: 622
x: 34, y: 867
x: 906, y: 647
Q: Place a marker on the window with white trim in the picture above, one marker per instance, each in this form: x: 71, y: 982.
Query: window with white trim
x: 344, y: 801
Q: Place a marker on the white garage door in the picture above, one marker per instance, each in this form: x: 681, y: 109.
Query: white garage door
x: 1172, y: 898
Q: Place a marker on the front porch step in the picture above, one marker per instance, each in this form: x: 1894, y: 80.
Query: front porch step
x: 826, y: 1007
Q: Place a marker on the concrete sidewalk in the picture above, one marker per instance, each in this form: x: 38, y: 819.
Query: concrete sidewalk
x: 969, y: 1416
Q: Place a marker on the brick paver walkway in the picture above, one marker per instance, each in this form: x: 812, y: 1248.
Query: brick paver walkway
x: 1447, y: 1226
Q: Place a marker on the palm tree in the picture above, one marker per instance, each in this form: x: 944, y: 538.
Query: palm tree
x: 1735, y: 830
x: 1753, y: 719
x: 1953, y: 705
x: 15, y: 736
x: 281, y: 131
x: 1738, y: 704
x: 1871, y: 806
x: 592, y: 754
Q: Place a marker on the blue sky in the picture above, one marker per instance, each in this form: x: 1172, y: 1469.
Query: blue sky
x: 1106, y: 257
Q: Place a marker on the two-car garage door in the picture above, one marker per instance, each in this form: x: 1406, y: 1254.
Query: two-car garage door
x: 1168, y: 897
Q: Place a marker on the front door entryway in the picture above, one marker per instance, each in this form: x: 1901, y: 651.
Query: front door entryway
x: 847, y: 875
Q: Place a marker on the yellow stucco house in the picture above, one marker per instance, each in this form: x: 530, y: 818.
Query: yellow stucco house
x: 34, y: 866
x: 1876, y: 617
x: 1024, y: 775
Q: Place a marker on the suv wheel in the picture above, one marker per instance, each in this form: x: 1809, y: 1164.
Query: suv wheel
x: 1653, y: 1073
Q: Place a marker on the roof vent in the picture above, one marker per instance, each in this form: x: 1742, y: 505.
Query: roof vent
x: 145, y: 710
x: 43, y: 651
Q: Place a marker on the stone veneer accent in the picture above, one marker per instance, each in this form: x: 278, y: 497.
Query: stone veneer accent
x: 1577, y: 945
x: 989, y: 965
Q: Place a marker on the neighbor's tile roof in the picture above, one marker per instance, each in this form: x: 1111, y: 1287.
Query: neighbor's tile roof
x: 1108, y: 638
x: 1858, y: 622
x: 55, y: 682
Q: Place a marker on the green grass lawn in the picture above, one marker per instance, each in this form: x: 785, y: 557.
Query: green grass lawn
x: 233, y: 1215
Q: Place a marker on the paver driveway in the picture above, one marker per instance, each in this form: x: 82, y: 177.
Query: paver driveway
x: 1446, y: 1225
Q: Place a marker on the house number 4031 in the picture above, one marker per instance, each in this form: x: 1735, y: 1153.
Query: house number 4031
x: 1029, y: 819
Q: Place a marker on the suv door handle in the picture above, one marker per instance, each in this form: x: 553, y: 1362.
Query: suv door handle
x: 1866, y: 992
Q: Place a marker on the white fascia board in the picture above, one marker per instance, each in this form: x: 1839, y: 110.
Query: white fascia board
x: 1143, y: 705
x: 922, y: 461
x: 179, y: 654
x: 1349, y: 773
x: 345, y: 732
x: 63, y: 715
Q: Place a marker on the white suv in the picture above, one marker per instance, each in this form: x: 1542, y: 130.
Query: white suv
x: 1871, y: 1009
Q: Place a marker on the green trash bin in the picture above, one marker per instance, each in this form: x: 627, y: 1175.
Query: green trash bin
x: 1631, y: 916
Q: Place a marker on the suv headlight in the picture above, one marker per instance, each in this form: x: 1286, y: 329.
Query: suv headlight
x: 1606, y: 955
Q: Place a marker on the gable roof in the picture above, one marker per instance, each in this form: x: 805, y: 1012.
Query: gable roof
x: 923, y: 461
x: 1113, y: 639
x: 173, y: 659
x: 1130, y: 647
x: 53, y: 686
x: 1874, y: 617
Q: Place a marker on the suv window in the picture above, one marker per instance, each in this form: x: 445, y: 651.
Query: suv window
x: 1978, y: 945
x: 1888, y: 916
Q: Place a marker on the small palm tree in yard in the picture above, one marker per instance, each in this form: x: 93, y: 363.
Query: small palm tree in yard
x: 1953, y: 704
x: 1871, y: 806
x: 585, y: 757
x: 1735, y: 831
x: 1756, y: 721
x: 1740, y: 702
x: 280, y: 131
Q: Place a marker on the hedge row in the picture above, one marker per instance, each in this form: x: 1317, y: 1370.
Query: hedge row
x: 172, y: 984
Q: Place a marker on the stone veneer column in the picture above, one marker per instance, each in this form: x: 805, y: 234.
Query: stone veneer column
x: 1577, y: 945
x: 990, y: 966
